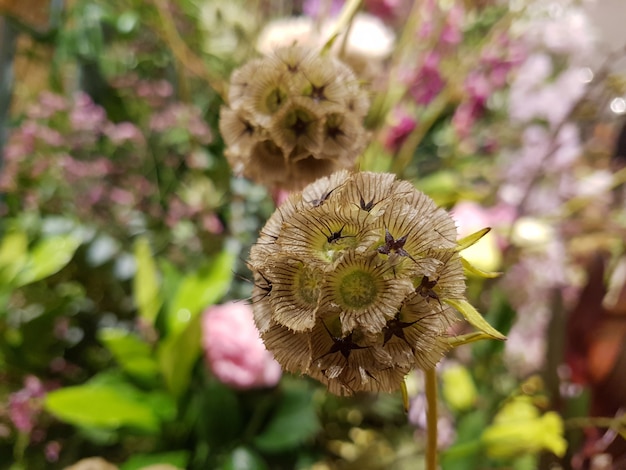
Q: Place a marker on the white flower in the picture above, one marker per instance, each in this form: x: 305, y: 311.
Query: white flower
x: 283, y: 32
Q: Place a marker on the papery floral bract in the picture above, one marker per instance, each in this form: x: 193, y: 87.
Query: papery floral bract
x: 293, y: 116
x: 353, y: 279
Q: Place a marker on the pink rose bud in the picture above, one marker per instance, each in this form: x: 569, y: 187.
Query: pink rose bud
x: 233, y: 349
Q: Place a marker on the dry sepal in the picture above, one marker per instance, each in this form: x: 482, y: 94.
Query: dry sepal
x: 293, y: 117
x: 352, y: 278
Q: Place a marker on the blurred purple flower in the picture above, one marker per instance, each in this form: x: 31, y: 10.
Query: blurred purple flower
x: 403, y: 124
x: 388, y: 10
x: 452, y: 33
x: 86, y: 115
x: 47, y: 106
x: 465, y: 115
x: 325, y: 8
x: 428, y: 82
x: 234, y: 350
x: 26, y: 404
x: 534, y: 94
x: 124, y: 132
x: 541, y: 161
x: 52, y: 450
x: 417, y: 417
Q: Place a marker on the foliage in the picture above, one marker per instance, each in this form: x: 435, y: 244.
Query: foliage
x: 122, y: 225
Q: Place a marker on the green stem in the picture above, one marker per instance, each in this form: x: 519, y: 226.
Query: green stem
x: 431, y: 419
x: 345, y: 18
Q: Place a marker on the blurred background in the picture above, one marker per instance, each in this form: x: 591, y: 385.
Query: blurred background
x: 126, y: 332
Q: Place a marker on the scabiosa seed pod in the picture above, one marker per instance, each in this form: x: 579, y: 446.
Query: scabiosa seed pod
x: 355, y: 282
x: 293, y: 117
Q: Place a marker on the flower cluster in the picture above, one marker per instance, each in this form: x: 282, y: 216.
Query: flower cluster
x: 353, y: 277
x: 294, y: 112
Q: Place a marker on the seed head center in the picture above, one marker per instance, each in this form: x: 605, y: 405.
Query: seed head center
x: 358, y: 289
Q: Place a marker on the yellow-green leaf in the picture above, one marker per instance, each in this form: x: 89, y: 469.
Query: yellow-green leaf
x: 199, y: 290
x: 474, y: 318
x: 470, y: 240
x: 13, y: 256
x: 132, y: 353
x: 105, y: 406
x: 472, y: 270
x: 47, y: 257
x: 456, y: 341
x: 146, y: 289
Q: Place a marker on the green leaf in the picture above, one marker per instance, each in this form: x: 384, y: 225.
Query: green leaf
x: 146, y: 289
x: 471, y: 239
x: 13, y: 256
x: 294, y: 422
x: 178, y: 459
x: 47, y: 257
x: 472, y: 270
x: 227, y: 421
x: 132, y: 354
x: 200, y: 290
x: 243, y: 458
x: 474, y: 318
x: 104, y: 405
x: 177, y: 355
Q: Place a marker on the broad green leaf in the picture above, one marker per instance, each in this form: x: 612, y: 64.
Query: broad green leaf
x: 177, y: 355
x: 178, y: 459
x: 103, y: 405
x: 227, y: 422
x: 470, y: 269
x: 471, y: 239
x: 13, y: 256
x: 146, y: 289
x: 294, y: 422
x: 47, y: 257
x: 474, y: 318
x: 199, y: 290
x: 132, y: 354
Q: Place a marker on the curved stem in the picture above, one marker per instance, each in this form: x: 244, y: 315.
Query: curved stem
x: 431, y: 419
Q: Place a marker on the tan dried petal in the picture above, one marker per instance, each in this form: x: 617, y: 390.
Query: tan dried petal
x: 449, y: 277
x: 343, y: 136
x: 295, y: 292
x: 319, y: 192
x: 367, y: 190
x: 262, y: 309
x: 415, y: 335
x: 366, y: 291
x: 292, y: 350
x: 266, y: 163
x: 240, y: 81
x: 267, y: 94
x: 297, y: 124
x: 238, y: 131
x: 324, y: 233
x: 292, y: 60
x: 349, y: 364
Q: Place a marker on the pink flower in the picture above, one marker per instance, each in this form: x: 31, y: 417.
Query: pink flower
x: 428, y: 81
x: 402, y: 126
x: 233, y: 349
x: 26, y: 404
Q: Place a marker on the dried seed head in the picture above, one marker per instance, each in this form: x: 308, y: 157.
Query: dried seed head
x: 293, y: 117
x: 352, y: 276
